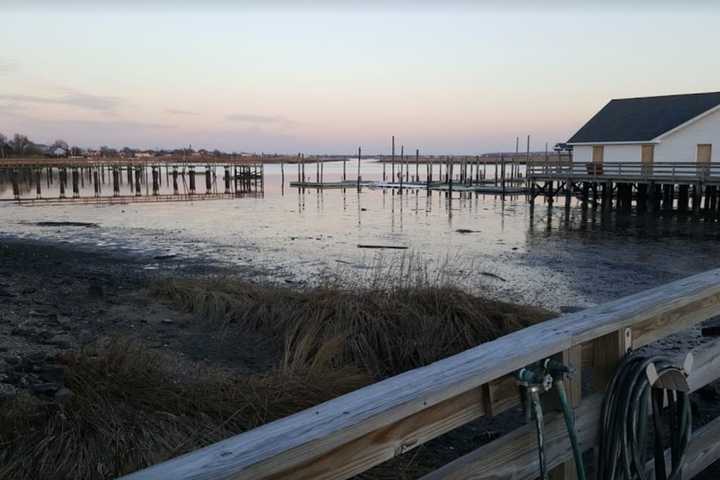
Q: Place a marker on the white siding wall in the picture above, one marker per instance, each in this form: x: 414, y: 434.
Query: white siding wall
x: 582, y: 154
x: 681, y: 146
x: 622, y: 153
x: 611, y: 153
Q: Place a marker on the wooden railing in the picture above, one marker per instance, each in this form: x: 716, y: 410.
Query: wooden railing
x: 352, y: 433
x: 680, y: 171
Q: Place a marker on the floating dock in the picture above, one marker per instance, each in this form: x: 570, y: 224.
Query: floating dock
x: 516, y: 188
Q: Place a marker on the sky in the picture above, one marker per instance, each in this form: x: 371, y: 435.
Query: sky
x: 322, y: 77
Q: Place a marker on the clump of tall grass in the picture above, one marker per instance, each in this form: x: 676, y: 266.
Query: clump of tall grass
x: 129, y: 411
x: 398, y: 318
x: 131, y: 408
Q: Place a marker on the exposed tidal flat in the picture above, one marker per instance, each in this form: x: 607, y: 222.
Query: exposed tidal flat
x: 549, y: 257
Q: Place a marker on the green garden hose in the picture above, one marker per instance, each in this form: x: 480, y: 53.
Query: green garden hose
x: 541, y: 378
x: 624, y: 422
x: 570, y: 424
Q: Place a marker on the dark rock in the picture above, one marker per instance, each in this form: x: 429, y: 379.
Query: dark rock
x: 12, y: 359
x: 7, y: 391
x: 47, y: 388
x: 52, y: 373
x: 63, y: 394
x: 22, y: 331
x: 61, y: 341
x: 35, y: 358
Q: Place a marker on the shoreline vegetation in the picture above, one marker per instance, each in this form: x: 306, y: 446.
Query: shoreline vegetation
x: 125, y: 403
x: 277, y: 159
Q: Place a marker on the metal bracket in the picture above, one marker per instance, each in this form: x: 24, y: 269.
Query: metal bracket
x: 674, y: 378
x: 628, y: 339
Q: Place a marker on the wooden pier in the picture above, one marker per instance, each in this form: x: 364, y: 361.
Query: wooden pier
x: 659, y: 187
x: 349, y: 435
x: 114, y: 182
x: 477, y: 174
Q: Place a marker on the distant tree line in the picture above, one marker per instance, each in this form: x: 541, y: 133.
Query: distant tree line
x: 20, y: 145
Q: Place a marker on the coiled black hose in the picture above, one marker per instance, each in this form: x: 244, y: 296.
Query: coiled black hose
x: 624, y: 422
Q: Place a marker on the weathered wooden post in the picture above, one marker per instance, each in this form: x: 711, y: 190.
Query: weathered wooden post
x: 683, y: 197
x: 302, y: 162
x: 402, y: 161
x: 428, y: 172
x: 407, y: 170
x: 63, y: 181
x: 155, y: 181
x: 191, y: 174
x: 138, y: 173
x: 235, y: 179
x: 359, y: 178
x: 38, y: 191
x: 502, y: 173
x: 116, y: 181
x: 393, y: 160
x: 417, y: 165
x: 175, y: 179
x: 75, y: 180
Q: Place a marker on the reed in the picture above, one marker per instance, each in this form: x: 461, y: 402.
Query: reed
x: 129, y: 410
x: 385, y: 324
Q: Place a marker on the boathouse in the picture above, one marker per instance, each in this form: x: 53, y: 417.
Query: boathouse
x: 648, y: 130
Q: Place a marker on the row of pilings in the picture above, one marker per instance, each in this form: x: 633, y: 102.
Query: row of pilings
x: 626, y: 197
x: 70, y: 181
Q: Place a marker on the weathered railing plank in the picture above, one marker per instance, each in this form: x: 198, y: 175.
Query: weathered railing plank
x: 514, y: 456
x: 285, y: 448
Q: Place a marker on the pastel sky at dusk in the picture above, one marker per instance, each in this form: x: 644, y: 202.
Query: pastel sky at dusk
x: 453, y: 79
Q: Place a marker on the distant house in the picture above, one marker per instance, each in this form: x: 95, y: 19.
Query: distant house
x: 144, y: 154
x: 58, y: 152
x: 671, y: 128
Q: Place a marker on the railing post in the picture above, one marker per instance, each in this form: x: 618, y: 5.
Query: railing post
x: 608, y: 350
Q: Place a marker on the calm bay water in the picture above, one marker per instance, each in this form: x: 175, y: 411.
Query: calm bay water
x: 552, y: 257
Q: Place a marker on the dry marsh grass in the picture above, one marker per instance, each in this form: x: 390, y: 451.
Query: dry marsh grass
x: 383, y: 327
x: 131, y: 409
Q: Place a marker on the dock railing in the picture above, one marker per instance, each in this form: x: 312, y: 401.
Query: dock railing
x: 352, y: 433
x: 628, y: 171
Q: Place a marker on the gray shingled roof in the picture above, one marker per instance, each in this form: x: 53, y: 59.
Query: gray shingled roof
x: 643, y: 119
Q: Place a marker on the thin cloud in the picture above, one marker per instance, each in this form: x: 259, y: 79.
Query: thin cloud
x: 174, y: 111
x: 253, y: 119
x: 85, y: 101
